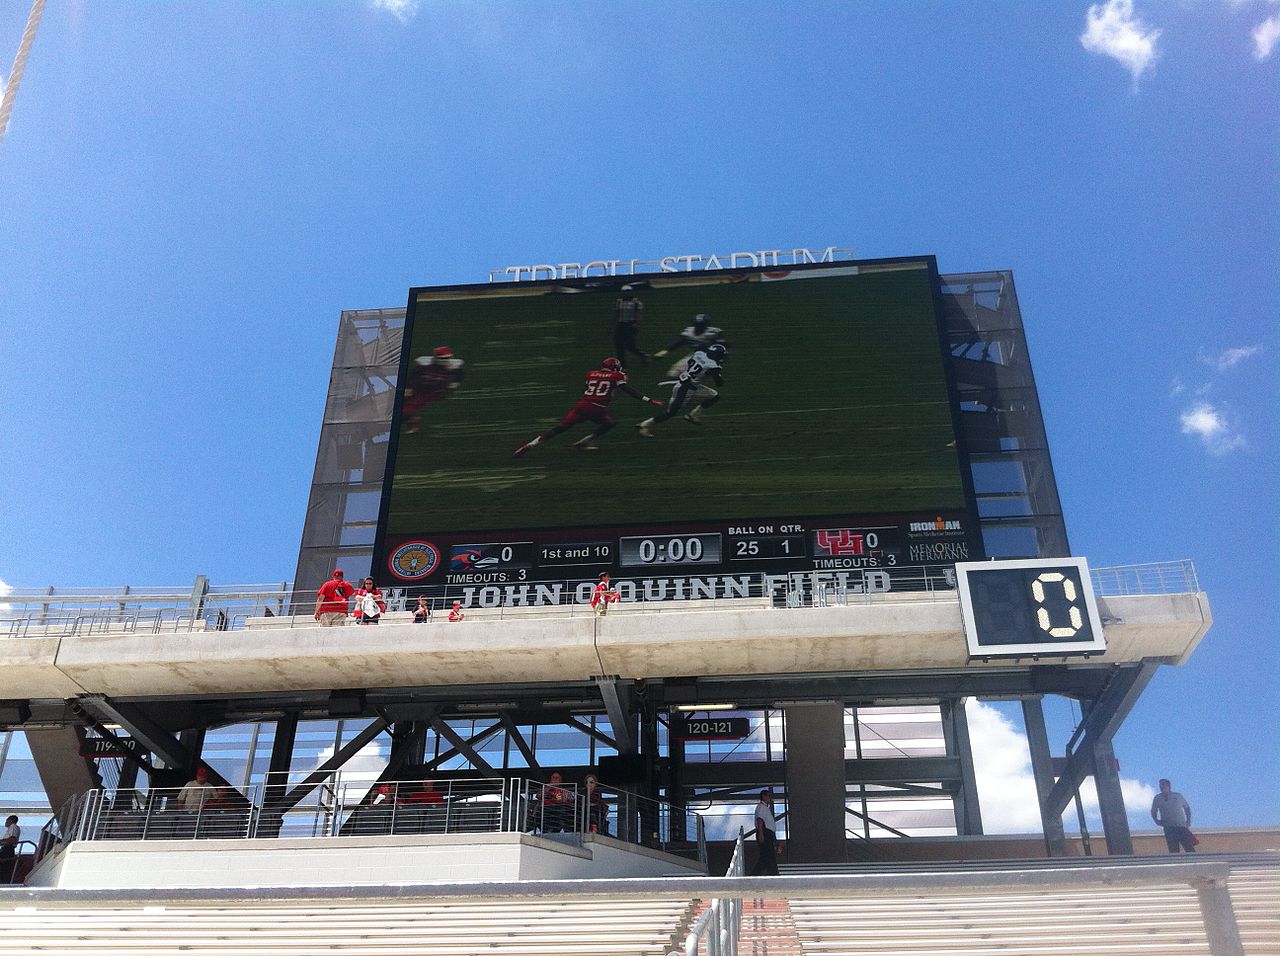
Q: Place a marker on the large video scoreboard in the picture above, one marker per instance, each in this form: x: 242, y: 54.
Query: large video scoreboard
x: 681, y: 431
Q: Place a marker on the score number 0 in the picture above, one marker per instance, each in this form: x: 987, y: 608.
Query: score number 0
x: 1069, y: 594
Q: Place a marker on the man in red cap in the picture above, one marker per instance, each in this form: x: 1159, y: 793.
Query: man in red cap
x: 332, y: 598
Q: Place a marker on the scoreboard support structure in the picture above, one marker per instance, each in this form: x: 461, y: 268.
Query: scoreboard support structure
x: 512, y: 728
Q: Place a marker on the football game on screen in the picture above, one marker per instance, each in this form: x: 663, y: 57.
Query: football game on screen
x: 676, y: 421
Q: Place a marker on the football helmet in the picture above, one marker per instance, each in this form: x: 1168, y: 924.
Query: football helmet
x: 717, y: 352
x: 612, y: 364
x: 442, y: 351
x: 701, y: 321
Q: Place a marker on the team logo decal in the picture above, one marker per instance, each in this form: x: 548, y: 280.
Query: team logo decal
x: 840, y: 542
x: 468, y: 558
x: 414, y: 560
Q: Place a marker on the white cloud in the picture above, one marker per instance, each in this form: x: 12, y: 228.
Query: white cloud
x: 1230, y: 358
x: 1210, y: 425
x: 1111, y: 29
x: 1002, y: 765
x: 1007, y: 788
x: 362, y: 769
x: 1265, y: 35
x: 402, y: 10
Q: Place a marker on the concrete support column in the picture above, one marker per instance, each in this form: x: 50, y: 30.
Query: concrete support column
x: 815, y: 783
x: 1055, y: 843
x: 1115, y: 822
x: 63, y: 772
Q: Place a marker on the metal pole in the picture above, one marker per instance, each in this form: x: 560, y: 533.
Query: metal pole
x: 1084, y: 827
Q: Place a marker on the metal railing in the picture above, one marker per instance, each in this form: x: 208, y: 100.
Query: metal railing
x: 1167, y: 577
x: 715, y: 932
x: 361, y: 807
x: 77, y: 612
x: 11, y: 867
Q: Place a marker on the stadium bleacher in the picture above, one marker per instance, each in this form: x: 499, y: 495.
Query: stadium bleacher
x: 1087, y: 907
x: 422, y: 928
x: 1120, y: 920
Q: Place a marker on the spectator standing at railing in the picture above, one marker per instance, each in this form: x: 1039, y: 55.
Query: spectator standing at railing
x: 195, y: 792
x: 766, y: 837
x: 595, y: 811
x: 422, y: 613
x: 603, y: 595
x: 9, y: 848
x: 1172, y: 812
x: 369, y: 603
x: 455, y: 614
x: 332, y: 598
x: 554, y: 806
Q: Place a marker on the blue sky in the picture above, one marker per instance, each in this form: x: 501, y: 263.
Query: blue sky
x: 190, y: 193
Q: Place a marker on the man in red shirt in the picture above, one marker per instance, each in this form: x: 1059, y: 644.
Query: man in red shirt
x: 593, y: 406
x: 331, y: 603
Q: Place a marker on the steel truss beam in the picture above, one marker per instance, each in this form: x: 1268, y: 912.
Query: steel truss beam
x: 150, y: 734
x: 317, y: 776
x: 517, y: 738
x: 880, y: 770
x: 1105, y: 716
x: 463, y: 747
x: 591, y: 732
x: 471, y: 742
x: 1084, y: 682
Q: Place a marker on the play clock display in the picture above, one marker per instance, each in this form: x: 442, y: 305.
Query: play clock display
x: 1041, y: 607
x: 682, y: 549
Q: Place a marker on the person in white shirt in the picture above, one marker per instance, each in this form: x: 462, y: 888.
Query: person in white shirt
x: 195, y: 793
x: 766, y: 837
x: 1172, y: 812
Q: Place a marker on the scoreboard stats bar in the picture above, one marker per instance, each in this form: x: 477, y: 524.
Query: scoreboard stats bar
x: 700, y: 549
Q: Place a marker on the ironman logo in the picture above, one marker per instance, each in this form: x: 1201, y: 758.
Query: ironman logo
x: 413, y: 560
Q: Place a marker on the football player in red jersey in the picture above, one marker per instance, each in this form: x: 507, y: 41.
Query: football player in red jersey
x: 431, y: 379
x: 593, y: 406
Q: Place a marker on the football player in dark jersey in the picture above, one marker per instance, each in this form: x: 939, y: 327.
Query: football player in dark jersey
x: 697, y: 336
x: 691, y: 387
x: 628, y: 311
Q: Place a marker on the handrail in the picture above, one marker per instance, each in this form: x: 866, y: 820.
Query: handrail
x: 721, y: 922
x: 16, y: 859
x: 359, y: 805
x: 75, y: 611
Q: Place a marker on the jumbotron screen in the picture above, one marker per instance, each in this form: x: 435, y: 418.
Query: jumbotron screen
x: 689, y: 433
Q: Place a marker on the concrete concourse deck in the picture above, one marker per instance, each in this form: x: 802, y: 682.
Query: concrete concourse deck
x: 891, y: 633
